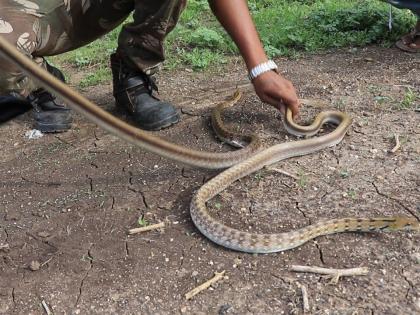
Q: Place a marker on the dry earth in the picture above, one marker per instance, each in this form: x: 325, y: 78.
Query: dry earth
x: 67, y: 201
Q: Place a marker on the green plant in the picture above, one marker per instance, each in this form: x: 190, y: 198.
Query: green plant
x: 303, y: 179
x: 259, y: 175
x: 344, y: 174
x: 142, y: 221
x: 201, y: 58
x: 382, y: 99
x: 352, y: 194
x: 205, y: 38
x: 408, y: 100
x: 100, y: 75
x: 286, y: 28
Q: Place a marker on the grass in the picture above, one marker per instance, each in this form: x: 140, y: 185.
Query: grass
x: 303, y: 179
x: 287, y: 28
x: 409, y: 99
x: 142, y: 221
x: 344, y: 174
x: 352, y: 194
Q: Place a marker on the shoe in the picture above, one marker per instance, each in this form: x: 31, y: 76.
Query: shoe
x: 50, y: 114
x: 12, y: 105
x: 133, y: 91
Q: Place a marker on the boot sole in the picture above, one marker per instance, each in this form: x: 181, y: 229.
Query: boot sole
x: 158, y: 125
x: 52, y: 128
x: 162, y: 124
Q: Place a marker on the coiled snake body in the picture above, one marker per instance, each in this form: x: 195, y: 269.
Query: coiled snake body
x: 243, y: 162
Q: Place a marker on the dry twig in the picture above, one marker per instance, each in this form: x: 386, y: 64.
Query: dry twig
x: 305, y: 299
x: 282, y: 172
x: 397, y: 144
x: 147, y: 228
x: 4, y: 246
x: 46, y: 308
x: 334, y: 273
x: 205, y: 285
x: 46, y: 262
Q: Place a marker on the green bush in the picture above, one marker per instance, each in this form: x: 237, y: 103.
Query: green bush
x: 286, y: 28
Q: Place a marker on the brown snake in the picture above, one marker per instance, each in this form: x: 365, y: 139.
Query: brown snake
x: 243, y: 162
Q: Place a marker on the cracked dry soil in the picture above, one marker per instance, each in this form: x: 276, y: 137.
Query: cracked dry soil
x: 67, y: 201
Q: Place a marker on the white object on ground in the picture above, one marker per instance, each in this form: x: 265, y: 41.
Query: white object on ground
x: 34, y: 134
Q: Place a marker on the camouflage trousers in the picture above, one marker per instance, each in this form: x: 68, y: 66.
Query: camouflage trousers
x: 41, y: 28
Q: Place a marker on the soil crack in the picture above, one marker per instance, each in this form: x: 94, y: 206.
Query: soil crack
x: 43, y: 241
x: 48, y: 184
x: 13, y: 296
x: 90, y: 258
x: 399, y: 202
x: 411, y: 285
x: 90, y: 179
x: 142, y: 195
x: 321, y: 254
x: 302, y: 212
x: 7, y: 235
x: 127, y: 251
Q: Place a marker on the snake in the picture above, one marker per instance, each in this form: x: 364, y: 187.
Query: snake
x: 235, y: 164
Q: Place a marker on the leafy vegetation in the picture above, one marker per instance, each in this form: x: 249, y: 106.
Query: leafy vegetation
x: 286, y: 28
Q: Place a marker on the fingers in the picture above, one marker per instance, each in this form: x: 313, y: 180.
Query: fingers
x: 275, y: 102
x: 286, y: 96
x: 292, y: 103
x: 272, y: 88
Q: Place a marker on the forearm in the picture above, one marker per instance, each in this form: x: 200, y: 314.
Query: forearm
x: 235, y: 17
x: 271, y: 87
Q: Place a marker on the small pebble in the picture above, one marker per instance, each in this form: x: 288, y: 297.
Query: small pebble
x: 34, y: 265
x: 415, y: 257
x: 43, y: 234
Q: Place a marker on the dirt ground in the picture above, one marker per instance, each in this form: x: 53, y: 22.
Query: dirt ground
x: 68, y: 200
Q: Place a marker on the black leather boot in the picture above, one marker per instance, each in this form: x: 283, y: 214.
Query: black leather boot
x: 50, y: 114
x: 133, y: 91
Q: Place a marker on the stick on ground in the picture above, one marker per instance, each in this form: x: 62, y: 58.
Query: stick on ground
x: 46, y: 308
x: 305, y: 299
x: 4, y: 246
x: 397, y: 144
x: 334, y: 273
x: 147, y: 228
x: 205, y: 285
x: 282, y: 172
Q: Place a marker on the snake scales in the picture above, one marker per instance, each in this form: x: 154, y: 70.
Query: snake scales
x: 243, y: 162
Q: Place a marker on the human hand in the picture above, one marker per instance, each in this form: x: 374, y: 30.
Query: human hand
x: 274, y: 89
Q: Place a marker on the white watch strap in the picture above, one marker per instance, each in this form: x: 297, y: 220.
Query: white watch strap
x: 262, y: 68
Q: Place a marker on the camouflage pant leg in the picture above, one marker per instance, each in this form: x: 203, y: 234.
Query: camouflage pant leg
x: 50, y: 27
x: 141, y: 42
x: 17, y: 28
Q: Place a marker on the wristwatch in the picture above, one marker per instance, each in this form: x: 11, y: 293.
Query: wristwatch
x: 262, y: 68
